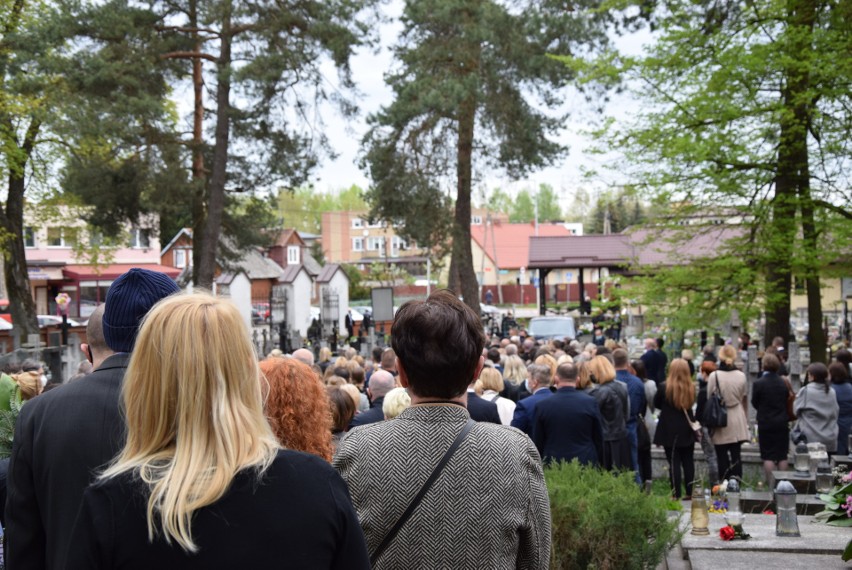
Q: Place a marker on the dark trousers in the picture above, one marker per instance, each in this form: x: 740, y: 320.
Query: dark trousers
x: 730, y: 464
x: 645, y: 471
x: 681, y: 458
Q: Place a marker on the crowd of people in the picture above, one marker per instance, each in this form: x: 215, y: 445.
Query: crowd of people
x: 180, y: 449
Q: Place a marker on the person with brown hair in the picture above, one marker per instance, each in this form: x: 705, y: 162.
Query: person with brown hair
x: 297, y: 406
x: 817, y: 409
x: 674, y: 433
x: 438, y: 344
x: 769, y: 398
x: 342, y: 411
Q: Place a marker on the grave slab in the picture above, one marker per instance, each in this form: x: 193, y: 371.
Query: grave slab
x: 714, y: 560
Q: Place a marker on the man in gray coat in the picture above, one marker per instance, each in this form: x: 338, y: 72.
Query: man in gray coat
x: 489, y: 506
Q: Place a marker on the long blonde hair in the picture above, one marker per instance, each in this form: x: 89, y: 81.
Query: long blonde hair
x: 194, y: 411
x: 680, y: 391
x: 514, y: 370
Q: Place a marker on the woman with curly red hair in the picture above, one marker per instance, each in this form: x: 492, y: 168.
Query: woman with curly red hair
x: 297, y: 406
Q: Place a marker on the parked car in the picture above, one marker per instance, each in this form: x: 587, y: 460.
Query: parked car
x: 552, y: 328
x: 53, y: 320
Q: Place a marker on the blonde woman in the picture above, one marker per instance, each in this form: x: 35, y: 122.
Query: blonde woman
x: 492, y: 383
x: 514, y: 370
x: 674, y: 399
x: 395, y: 402
x: 614, y: 407
x: 201, y: 481
x: 731, y: 384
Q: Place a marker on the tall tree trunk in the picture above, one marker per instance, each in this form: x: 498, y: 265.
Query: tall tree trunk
x: 199, y: 174
x: 462, y: 259
x: 21, y: 304
x: 797, y: 100
x: 218, y: 178
x: 16, y: 157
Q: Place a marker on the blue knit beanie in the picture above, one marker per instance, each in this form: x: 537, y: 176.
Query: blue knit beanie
x: 129, y: 298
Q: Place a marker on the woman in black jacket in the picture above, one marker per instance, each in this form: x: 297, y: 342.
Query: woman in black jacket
x: 202, y: 482
x: 769, y: 398
x: 614, y: 406
x: 674, y: 399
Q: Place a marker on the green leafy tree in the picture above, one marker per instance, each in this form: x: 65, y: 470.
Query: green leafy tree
x: 62, y: 78
x: 464, y: 98
x: 262, y: 63
x: 543, y: 206
x: 499, y: 201
x: 746, y: 116
x: 622, y: 208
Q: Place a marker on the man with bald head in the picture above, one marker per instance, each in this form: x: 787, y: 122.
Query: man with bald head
x: 95, y: 347
x: 381, y: 382
x: 304, y: 355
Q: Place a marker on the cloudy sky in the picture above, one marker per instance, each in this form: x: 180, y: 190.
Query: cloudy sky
x: 368, y: 69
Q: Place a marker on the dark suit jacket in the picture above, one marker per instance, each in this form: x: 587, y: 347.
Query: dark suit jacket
x: 655, y: 365
x: 568, y: 425
x: 482, y: 410
x: 525, y: 411
x: 371, y: 416
x: 61, y: 439
x: 298, y: 515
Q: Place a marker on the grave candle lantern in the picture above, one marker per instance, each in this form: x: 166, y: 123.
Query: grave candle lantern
x: 786, y: 520
x: 802, y: 459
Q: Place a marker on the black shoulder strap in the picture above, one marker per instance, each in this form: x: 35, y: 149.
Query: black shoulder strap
x: 423, y: 490
x: 494, y: 399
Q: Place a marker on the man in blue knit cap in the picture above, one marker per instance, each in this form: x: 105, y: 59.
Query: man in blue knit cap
x: 63, y: 437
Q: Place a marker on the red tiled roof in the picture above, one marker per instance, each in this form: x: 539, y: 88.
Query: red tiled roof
x: 513, y: 241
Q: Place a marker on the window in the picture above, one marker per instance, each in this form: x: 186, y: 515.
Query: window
x: 181, y: 257
x: 799, y: 285
x: 140, y: 238
x: 61, y: 237
x: 375, y: 243
x: 96, y: 238
x: 376, y: 224
x: 292, y: 254
x: 357, y: 244
x: 357, y: 223
x: 29, y: 237
x: 476, y: 220
x: 397, y: 244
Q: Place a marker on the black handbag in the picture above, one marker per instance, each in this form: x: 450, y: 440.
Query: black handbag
x: 715, y: 411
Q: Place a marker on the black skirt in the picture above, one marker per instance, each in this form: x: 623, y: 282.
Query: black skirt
x: 617, y: 455
x: 774, y: 443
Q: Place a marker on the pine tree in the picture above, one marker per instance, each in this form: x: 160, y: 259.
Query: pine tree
x: 464, y: 88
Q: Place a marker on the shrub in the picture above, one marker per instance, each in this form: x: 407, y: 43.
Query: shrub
x: 603, y: 520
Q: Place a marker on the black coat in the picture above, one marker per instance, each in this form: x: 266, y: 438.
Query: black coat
x: 769, y: 398
x: 371, y: 416
x: 61, y: 439
x: 568, y: 426
x: 614, y: 405
x: 655, y: 365
x: 298, y: 516
x: 482, y: 410
x: 673, y: 430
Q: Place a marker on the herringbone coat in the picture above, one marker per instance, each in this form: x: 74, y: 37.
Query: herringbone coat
x: 489, y: 509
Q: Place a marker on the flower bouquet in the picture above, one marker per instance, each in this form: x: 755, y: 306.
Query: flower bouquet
x: 838, y: 508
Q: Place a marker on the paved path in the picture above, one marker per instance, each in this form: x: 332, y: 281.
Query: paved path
x: 819, y: 547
